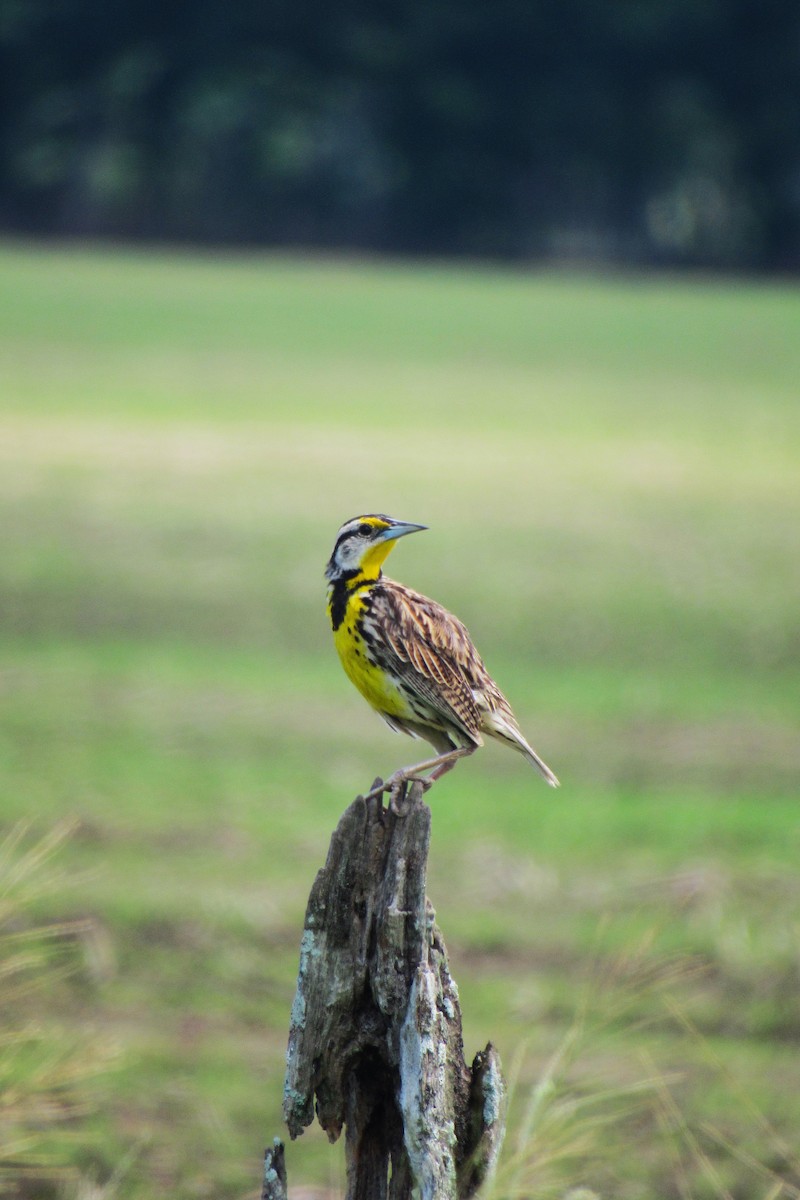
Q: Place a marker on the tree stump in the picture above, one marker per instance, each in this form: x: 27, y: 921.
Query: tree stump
x: 274, y: 1187
x: 375, y: 1036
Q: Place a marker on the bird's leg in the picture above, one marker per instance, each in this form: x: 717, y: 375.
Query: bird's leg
x: 441, y: 765
x: 449, y: 762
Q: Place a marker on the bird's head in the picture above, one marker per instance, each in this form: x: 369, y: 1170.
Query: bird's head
x: 363, y: 544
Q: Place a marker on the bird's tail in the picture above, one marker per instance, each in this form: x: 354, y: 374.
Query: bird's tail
x: 540, y: 764
x: 503, y: 725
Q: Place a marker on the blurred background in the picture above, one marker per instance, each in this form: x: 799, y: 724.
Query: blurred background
x: 524, y: 274
x: 656, y: 132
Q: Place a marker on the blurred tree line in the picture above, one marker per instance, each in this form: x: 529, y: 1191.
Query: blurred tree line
x: 628, y: 130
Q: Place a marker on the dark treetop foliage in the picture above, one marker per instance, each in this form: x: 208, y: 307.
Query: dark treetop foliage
x: 638, y: 130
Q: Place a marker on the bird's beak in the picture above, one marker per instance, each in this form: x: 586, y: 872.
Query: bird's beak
x: 400, y: 529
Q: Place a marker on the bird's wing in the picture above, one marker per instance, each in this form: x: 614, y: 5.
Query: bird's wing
x: 431, y: 650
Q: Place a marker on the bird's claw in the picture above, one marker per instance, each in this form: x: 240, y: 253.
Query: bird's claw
x: 397, y: 786
x: 397, y: 795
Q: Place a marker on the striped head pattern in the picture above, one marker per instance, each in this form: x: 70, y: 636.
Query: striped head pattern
x: 362, y: 545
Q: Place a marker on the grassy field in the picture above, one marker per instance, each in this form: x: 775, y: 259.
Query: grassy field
x: 610, y: 470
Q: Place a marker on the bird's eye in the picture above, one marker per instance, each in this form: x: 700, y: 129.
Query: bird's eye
x: 364, y: 528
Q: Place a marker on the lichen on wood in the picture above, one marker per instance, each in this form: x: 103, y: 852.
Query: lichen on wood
x: 274, y: 1185
x: 375, y: 1042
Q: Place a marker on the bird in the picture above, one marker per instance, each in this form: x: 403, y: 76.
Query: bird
x: 412, y: 659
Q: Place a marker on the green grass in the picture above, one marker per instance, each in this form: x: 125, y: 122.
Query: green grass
x: 610, y: 472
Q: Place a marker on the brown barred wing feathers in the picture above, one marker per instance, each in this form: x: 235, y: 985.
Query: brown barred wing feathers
x: 429, y: 649
x: 432, y: 649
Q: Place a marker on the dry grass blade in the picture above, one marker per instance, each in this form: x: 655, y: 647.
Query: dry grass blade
x: 779, y: 1185
x: 44, y: 1076
x: 566, y: 1135
x: 569, y: 1131
x: 675, y: 1124
x: 773, y: 1138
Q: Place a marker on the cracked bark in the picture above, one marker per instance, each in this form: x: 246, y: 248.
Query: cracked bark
x: 375, y: 1043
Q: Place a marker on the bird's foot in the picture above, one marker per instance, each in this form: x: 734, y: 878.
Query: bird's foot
x: 397, y: 787
x: 409, y: 787
x: 397, y: 796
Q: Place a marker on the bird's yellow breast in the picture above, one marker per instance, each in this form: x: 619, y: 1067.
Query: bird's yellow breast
x: 372, y: 681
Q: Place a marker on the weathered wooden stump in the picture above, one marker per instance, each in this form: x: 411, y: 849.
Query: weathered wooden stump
x: 274, y: 1187
x: 375, y: 1036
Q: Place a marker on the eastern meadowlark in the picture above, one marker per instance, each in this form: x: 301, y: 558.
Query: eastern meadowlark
x: 412, y: 659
